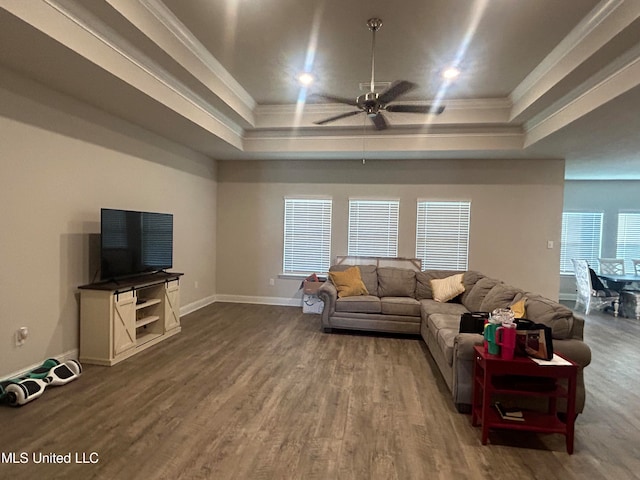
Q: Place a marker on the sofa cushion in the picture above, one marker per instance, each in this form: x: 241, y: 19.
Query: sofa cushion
x: 473, y: 300
x: 444, y: 328
x: 446, y: 289
x: 360, y: 304
x: 438, y: 321
x: 446, y: 340
x: 500, y: 296
x: 396, y: 282
x: 429, y: 307
x: 550, y: 313
x: 423, y: 281
x: 349, y: 282
x: 469, y: 280
x: 368, y: 273
x: 400, y: 306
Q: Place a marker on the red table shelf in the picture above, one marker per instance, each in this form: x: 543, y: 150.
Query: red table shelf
x: 488, y: 369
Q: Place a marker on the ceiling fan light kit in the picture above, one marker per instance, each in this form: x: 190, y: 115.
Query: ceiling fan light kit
x: 372, y: 103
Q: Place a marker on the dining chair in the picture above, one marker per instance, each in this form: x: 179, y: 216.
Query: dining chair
x: 635, y: 286
x: 588, y: 298
x: 612, y: 266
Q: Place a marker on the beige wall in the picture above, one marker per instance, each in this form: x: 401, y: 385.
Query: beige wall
x: 61, y: 162
x: 608, y: 197
x: 516, y: 207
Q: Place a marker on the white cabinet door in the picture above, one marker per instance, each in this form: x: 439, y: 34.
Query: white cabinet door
x: 124, y: 323
x: 171, y: 306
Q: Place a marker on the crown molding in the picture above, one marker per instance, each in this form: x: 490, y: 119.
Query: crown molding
x: 603, y: 23
x: 452, y: 141
x: 476, y: 103
x: 611, y: 82
x: 566, y: 46
x: 457, y: 111
x: 82, y: 32
x: 183, y: 35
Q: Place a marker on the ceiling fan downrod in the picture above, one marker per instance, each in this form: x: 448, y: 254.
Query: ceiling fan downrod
x: 374, y: 25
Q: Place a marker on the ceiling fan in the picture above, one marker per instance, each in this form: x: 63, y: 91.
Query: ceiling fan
x: 372, y: 103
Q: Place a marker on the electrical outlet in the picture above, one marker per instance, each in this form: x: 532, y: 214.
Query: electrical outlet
x: 549, y: 243
x: 195, y: 284
x: 272, y: 282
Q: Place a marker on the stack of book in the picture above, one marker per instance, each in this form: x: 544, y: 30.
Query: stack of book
x: 514, y: 414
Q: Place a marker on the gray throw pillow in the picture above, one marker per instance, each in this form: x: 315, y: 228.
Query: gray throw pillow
x: 473, y: 301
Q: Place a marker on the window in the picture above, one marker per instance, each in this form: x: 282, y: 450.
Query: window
x: 307, y: 235
x: 581, y: 239
x: 373, y: 228
x: 442, y: 235
x: 628, y: 241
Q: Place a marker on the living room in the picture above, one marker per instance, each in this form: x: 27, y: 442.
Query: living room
x: 66, y: 156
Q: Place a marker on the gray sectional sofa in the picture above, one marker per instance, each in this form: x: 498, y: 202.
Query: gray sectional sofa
x: 401, y: 300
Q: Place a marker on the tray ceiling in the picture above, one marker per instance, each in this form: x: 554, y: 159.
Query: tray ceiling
x: 539, y: 79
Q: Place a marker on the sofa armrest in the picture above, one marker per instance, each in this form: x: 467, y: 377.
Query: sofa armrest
x: 578, y: 327
x: 328, y: 293
x: 462, y: 368
x: 575, y: 350
x: 464, y: 343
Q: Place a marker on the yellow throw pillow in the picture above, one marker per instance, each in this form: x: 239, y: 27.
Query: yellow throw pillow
x: 446, y: 289
x: 518, y: 308
x: 348, y: 283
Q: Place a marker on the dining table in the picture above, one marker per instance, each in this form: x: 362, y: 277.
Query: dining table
x: 621, y: 279
x: 629, y: 296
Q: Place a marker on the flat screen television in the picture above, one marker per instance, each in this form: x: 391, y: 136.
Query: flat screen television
x: 134, y: 243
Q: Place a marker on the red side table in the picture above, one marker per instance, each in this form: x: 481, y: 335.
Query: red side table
x: 490, y: 377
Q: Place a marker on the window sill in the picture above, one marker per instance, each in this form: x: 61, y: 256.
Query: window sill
x: 299, y: 276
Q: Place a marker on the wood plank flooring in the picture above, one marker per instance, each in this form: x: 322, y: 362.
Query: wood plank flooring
x: 259, y: 392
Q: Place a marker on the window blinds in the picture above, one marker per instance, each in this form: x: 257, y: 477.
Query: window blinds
x: 307, y: 235
x: 628, y: 240
x: 581, y: 239
x: 442, y: 234
x: 373, y: 228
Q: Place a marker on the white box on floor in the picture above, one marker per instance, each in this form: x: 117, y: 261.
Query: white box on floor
x: 311, y: 303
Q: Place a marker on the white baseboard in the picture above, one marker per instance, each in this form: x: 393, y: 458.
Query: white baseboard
x: 70, y: 355
x: 281, y: 301
x: 568, y: 296
x: 184, y: 310
x: 197, y: 305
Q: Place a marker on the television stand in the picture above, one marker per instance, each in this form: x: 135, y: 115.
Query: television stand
x: 120, y: 319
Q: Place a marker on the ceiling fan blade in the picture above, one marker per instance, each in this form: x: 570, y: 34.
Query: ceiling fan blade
x: 397, y: 88
x: 415, y: 109
x: 347, y: 101
x: 338, y: 117
x: 379, y: 121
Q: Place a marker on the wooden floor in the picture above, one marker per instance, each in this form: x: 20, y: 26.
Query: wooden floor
x: 259, y: 392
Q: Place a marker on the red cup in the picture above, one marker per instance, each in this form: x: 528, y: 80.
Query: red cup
x: 506, y: 338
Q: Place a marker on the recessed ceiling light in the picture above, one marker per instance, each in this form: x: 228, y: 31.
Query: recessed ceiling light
x: 305, y: 79
x: 450, y: 73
